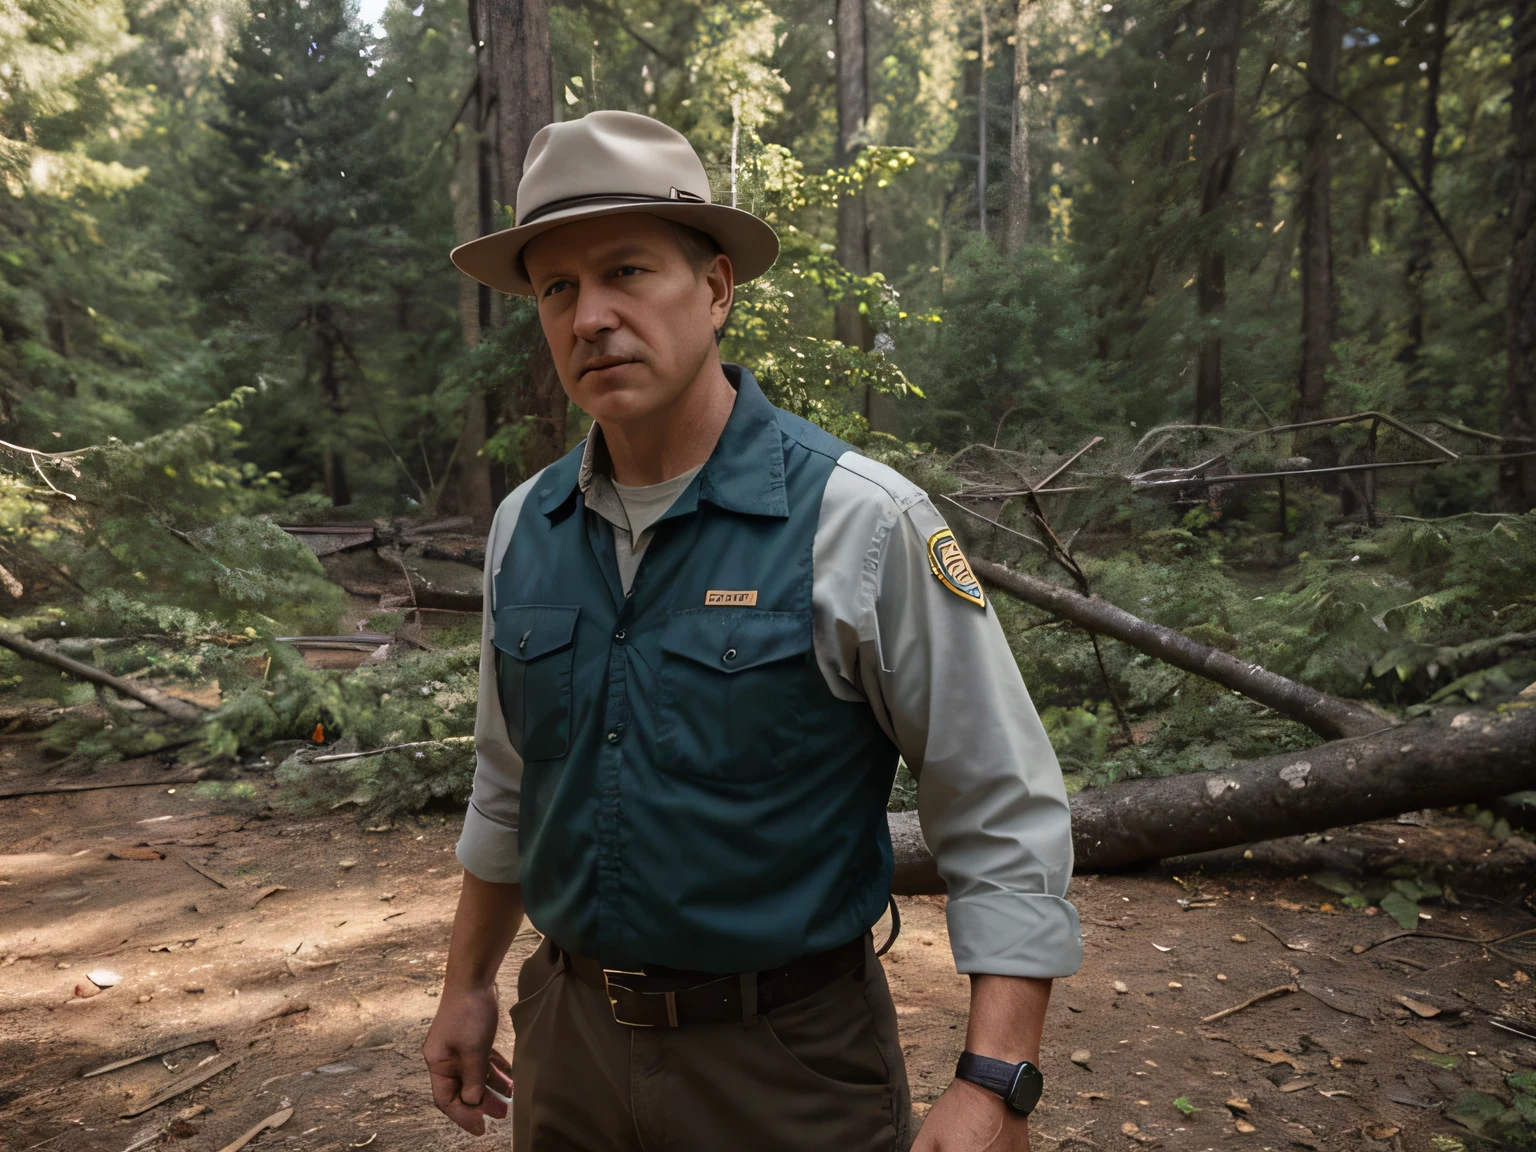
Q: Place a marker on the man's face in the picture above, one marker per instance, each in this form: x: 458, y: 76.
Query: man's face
x: 629, y: 319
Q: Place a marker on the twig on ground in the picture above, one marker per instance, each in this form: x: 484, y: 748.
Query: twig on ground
x: 49, y: 789
x: 1279, y: 990
x: 183, y: 1084
x: 201, y: 871
x: 1277, y: 936
x: 389, y: 748
x: 172, y: 1046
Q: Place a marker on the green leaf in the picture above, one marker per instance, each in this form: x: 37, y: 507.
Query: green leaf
x: 1335, y: 882
x: 1184, y: 1105
x: 1401, y: 909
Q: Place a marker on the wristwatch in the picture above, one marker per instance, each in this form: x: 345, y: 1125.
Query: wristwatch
x: 1018, y: 1084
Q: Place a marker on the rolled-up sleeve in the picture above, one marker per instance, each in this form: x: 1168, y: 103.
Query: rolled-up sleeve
x: 488, y: 844
x: 937, y: 669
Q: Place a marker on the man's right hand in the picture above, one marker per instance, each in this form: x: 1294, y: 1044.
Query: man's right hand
x: 460, y: 1058
x: 458, y: 1048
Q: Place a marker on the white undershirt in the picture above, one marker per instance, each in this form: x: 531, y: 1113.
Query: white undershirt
x: 643, y: 506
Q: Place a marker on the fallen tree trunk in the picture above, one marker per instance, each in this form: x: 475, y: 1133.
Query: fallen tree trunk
x: 1432, y: 762
x: 1331, y: 717
x: 182, y: 710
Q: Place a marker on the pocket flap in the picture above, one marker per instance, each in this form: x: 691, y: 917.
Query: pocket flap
x: 528, y: 631
x: 733, y: 641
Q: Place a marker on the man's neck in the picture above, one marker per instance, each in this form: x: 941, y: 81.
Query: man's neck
x: 677, y: 439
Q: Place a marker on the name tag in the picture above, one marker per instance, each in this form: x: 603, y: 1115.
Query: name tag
x: 747, y: 599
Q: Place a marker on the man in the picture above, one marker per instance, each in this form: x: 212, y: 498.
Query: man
x: 710, y: 631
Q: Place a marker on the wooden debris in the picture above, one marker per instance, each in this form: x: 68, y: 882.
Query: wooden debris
x: 1303, y: 947
x: 198, y: 1075
x: 1337, y: 999
x: 1380, y: 1131
x: 1243, y: 1126
x: 291, y: 1009
x: 1418, y: 1007
x: 295, y: 967
x: 181, y: 710
x: 173, y: 1046
x: 94, y: 786
x: 267, y: 891
x: 276, y: 1120
x: 1425, y: 1040
x: 1297, y: 1085
x: 201, y: 871
x: 1278, y: 990
x: 1239, y: 1104
x: 134, y: 854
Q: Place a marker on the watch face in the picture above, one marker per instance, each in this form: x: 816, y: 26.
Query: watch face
x: 1027, y: 1086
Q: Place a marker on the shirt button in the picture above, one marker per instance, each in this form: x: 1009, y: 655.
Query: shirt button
x: 613, y: 736
x: 730, y: 654
x: 619, y: 635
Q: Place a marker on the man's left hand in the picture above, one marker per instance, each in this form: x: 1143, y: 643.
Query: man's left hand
x: 968, y: 1118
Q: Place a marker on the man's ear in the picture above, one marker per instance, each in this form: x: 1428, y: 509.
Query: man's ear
x: 721, y: 278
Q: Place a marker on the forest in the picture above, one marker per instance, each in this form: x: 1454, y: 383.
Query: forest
x: 1209, y: 326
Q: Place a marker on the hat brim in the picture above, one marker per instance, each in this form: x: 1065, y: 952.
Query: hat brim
x: 496, y: 260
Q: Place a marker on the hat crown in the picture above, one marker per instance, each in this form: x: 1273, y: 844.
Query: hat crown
x: 609, y: 154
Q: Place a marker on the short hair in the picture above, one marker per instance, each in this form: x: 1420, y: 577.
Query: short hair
x: 699, y: 249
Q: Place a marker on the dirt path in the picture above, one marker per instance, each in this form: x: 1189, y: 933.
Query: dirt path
x: 353, y: 944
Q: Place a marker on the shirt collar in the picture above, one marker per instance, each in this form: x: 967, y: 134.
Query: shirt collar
x: 744, y: 473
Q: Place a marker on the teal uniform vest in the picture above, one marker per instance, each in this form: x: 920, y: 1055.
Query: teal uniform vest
x: 693, y: 794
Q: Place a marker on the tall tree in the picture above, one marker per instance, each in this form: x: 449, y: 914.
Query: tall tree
x: 850, y: 326
x: 981, y: 123
x: 1319, y: 295
x: 1219, y: 117
x: 1517, y: 478
x: 1018, y: 149
x: 514, y: 99
x: 1421, y: 246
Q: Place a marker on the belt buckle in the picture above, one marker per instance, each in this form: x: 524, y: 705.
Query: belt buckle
x: 613, y: 1001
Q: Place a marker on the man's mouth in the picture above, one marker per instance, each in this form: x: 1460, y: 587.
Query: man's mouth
x: 602, y: 362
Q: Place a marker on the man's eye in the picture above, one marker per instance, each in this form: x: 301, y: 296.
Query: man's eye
x: 557, y: 286
x: 629, y: 270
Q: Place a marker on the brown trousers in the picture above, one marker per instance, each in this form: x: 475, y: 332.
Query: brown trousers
x: 825, y: 1072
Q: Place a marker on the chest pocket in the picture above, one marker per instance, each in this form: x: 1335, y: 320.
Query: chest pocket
x: 734, y: 687
x: 535, y: 651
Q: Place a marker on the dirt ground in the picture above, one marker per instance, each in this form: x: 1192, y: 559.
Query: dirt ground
x: 351, y: 945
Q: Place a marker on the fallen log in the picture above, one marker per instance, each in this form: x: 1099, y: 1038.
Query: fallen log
x: 182, y: 710
x: 1434, y: 761
x: 1331, y: 717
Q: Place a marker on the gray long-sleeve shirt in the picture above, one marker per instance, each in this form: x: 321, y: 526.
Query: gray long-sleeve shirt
x: 935, y: 668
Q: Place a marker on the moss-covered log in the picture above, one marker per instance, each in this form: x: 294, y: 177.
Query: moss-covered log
x: 1432, y: 762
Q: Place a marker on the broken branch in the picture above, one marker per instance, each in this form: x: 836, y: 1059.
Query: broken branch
x: 1279, y: 990
x: 1331, y: 717
x: 182, y: 710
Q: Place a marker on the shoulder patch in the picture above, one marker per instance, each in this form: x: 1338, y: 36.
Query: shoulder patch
x: 952, y: 569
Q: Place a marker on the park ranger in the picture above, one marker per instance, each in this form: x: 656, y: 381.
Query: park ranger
x: 711, y: 629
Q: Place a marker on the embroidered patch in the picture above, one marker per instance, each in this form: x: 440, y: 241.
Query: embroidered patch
x: 952, y: 568
x: 736, y: 599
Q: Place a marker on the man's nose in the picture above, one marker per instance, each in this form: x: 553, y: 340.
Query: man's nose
x: 594, y: 312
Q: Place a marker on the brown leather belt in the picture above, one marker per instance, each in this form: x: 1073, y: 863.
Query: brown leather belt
x: 657, y: 997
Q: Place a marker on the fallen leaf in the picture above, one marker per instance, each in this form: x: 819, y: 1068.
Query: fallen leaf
x: 1239, y: 938
x: 1129, y: 1128
x: 1081, y: 1057
x: 1335, y: 1092
x: 1433, y: 1043
x: 1120, y: 987
x: 1418, y: 1007
x: 1301, y: 1134
x: 1160, y: 948
x: 1379, y: 1131
x: 346, y: 865
x: 1273, y: 1057
x: 1335, y: 1062
x: 103, y: 977
x: 1174, y: 984
x: 1239, y: 1104
x: 1093, y: 1096
x: 1297, y: 1085
x: 1521, y: 977
x: 1243, y: 1126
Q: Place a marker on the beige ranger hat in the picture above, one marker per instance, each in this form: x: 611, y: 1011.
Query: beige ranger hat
x: 607, y: 163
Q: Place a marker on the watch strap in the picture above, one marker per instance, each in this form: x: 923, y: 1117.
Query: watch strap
x: 993, y: 1075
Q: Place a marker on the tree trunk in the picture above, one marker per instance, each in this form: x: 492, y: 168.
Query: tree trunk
x: 333, y: 466
x: 514, y: 100
x: 1517, y: 478
x: 1018, y: 149
x: 1329, y: 716
x: 1422, y: 245
x: 1221, y: 143
x: 1432, y: 762
x: 981, y: 124
x: 852, y: 328
x: 1319, y: 298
